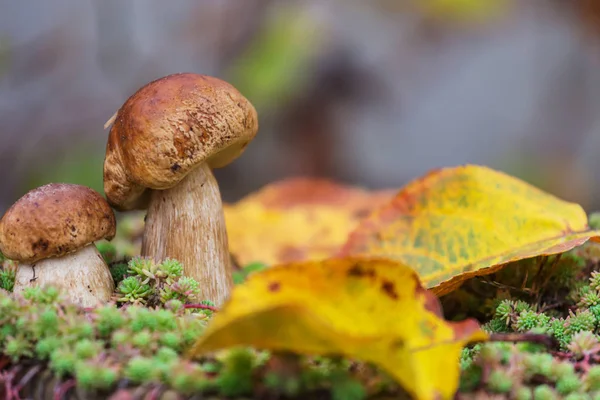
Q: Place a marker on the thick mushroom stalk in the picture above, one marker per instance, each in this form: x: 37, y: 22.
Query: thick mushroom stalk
x: 174, y: 229
x: 82, y: 276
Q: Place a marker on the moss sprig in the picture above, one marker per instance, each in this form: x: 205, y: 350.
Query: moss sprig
x: 155, y: 284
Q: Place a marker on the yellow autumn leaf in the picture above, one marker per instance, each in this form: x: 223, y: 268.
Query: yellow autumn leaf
x: 297, y: 219
x: 456, y: 223
x: 367, y: 309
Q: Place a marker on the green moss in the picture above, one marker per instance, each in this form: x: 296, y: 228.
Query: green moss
x: 7, y: 279
x: 235, y: 378
x: 568, y: 384
x: 582, y: 320
x: 348, y: 389
x: 94, y: 376
x: 577, y: 396
x: 141, y: 369
x: 500, y: 381
x: 524, y: 393
x: 592, y: 378
x: 118, y: 271
x: 544, y: 392
x: 528, y: 320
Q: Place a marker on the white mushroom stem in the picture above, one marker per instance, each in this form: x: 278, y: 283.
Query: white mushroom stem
x: 82, y: 276
x: 187, y: 223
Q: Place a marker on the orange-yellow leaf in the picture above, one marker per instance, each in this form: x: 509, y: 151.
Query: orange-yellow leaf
x: 456, y: 223
x: 368, y: 309
x: 297, y: 219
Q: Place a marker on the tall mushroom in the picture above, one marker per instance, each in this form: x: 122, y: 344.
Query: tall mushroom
x: 161, y: 149
x: 51, y: 232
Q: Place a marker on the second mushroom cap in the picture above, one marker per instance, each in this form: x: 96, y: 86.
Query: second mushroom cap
x: 54, y: 220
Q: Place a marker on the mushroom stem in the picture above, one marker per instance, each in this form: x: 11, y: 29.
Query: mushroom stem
x: 82, y: 276
x: 186, y: 222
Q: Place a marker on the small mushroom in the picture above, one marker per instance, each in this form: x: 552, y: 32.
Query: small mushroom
x: 161, y: 150
x: 51, y: 232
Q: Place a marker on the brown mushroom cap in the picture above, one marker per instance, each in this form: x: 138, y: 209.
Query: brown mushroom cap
x: 169, y: 127
x: 54, y: 220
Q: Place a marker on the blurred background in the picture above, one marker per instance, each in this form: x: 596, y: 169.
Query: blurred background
x: 373, y: 93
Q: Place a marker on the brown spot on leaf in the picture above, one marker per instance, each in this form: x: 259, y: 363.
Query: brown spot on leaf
x: 361, y: 213
x: 359, y: 270
x: 389, y: 289
x: 274, y: 286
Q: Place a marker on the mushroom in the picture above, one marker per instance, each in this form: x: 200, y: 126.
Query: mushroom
x: 162, y: 147
x: 51, y: 232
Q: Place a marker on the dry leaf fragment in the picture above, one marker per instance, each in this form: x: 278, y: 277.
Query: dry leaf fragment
x: 368, y: 309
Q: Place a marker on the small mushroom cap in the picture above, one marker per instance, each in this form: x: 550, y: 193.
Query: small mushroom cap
x: 167, y: 129
x: 54, y: 220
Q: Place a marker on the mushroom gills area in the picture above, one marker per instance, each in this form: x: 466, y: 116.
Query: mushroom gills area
x: 187, y: 223
x: 82, y: 276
